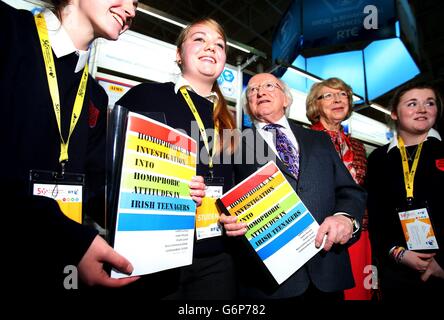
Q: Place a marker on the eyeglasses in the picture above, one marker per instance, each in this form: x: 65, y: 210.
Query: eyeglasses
x: 268, y: 86
x: 328, y: 96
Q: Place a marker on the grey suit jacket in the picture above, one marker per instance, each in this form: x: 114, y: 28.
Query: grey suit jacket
x: 326, y: 187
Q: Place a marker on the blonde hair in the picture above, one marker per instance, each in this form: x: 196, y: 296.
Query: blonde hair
x: 221, y: 116
x: 311, y: 103
x: 213, y: 24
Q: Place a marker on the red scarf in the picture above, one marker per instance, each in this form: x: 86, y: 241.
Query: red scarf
x: 342, y: 145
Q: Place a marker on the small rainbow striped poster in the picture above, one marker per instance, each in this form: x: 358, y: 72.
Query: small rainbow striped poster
x: 156, y: 215
x: 280, y: 229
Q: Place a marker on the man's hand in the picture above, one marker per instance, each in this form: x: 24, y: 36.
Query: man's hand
x: 338, y: 229
x: 91, y: 265
x: 232, y: 227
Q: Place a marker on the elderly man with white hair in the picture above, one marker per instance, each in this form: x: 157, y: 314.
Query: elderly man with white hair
x: 311, y: 165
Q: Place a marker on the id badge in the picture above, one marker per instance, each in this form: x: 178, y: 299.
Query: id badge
x: 207, y: 214
x: 418, y: 229
x: 66, y: 189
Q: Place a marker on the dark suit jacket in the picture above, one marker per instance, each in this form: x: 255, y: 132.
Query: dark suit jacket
x: 326, y: 187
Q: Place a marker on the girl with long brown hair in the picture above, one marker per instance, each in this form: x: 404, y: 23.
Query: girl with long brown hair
x: 194, y: 103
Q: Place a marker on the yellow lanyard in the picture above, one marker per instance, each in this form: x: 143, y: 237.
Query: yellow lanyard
x: 409, y: 175
x: 202, y: 127
x: 54, y: 89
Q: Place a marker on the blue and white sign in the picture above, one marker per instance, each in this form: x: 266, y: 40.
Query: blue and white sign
x: 228, y: 82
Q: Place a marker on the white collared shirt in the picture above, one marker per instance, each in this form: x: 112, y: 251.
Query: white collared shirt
x: 61, y: 43
x: 432, y: 133
x: 269, y: 138
x: 182, y: 82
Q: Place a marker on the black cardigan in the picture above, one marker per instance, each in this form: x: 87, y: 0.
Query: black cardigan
x: 45, y: 240
x: 161, y: 98
x: 386, y: 193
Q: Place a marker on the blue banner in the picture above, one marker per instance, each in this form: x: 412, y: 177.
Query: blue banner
x: 288, y: 35
x: 333, y: 22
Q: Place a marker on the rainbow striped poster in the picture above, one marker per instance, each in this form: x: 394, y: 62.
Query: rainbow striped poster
x: 280, y: 228
x: 155, y: 215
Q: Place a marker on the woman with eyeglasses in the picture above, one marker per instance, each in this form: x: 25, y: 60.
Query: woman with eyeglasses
x: 405, y: 198
x: 328, y: 104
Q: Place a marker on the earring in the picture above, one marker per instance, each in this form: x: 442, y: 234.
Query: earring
x: 179, y: 62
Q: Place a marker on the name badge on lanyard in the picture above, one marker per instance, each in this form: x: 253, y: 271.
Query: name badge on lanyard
x: 418, y: 229
x: 67, y: 189
x: 207, y: 214
x: 415, y: 220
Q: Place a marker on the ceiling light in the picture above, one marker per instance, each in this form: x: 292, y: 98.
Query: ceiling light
x: 304, y: 73
x: 181, y: 23
x: 161, y: 16
x: 238, y: 47
x: 379, y: 108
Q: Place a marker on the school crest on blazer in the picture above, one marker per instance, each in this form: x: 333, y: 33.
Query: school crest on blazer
x: 440, y: 164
